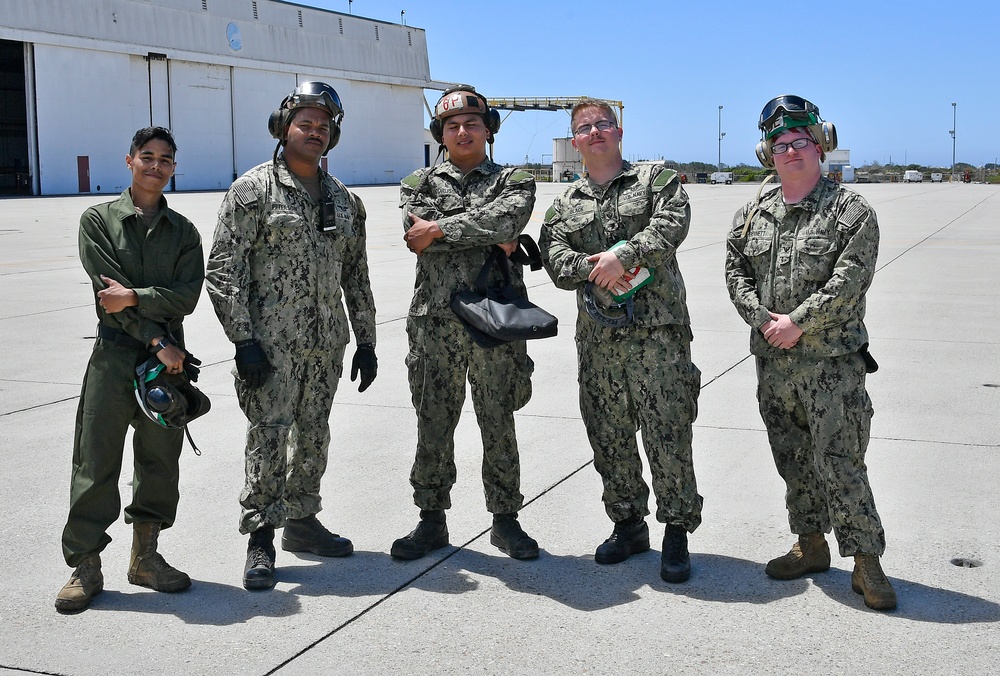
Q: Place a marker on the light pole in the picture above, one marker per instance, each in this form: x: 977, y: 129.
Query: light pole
x: 721, y: 134
x: 402, y: 21
x: 954, y: 117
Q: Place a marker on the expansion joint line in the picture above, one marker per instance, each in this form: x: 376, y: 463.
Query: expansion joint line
x: 413, y: 579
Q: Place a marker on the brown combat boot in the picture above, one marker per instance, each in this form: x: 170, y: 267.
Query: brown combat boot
x: 147, y: 568
x: 868, y: 579
x: 84, y: 584
x: 810, y: 554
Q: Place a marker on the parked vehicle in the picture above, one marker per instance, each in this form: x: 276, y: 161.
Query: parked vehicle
x: 936, y: 177
x: 912, y: 176
x: 722, y: 177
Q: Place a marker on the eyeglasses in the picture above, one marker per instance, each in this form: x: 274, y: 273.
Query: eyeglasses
x: 600, y: 125
x: 798, y: 144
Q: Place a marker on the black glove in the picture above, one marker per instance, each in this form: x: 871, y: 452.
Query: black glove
x: 252, y: 363
x: 366, y: 362
x: 191, y: 364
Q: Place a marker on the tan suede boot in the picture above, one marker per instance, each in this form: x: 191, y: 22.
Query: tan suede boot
x: 84, y: 584
x: 147, y: 568
x: 868, y: 579
x: 810, y: 554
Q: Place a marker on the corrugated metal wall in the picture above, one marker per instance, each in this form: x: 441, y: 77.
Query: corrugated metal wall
x: 212, y: 73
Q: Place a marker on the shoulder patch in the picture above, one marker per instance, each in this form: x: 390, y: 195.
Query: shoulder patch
x: 662, y: 179
x: 244, y: 193
x: 520, y: 176
x: 413, y: 180
x: 551, y: 213
x: 853, y: 214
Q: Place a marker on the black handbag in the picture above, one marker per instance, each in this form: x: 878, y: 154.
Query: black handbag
x: 497, y: 315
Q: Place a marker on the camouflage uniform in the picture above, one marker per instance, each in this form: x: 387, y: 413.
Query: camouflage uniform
x: 813, y: 261
x: 639, y: 376
x: 488, y: 206
x: 274, y: 277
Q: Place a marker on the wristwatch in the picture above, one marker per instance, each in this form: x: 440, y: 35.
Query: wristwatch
x: 155, y: 349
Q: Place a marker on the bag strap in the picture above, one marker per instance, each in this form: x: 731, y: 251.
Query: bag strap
x: 527, y: 253
x: 496, y: 258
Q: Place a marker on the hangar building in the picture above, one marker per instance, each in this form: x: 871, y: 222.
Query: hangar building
x: 77, y: 77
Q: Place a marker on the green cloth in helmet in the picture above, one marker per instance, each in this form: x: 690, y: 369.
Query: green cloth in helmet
x: 791, y: 121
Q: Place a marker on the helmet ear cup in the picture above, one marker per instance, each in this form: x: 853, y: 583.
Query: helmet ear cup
x: 334, y: 135
x: 276, y: 124
x: 437, y: 132
x: 764, y: 154
x: 828, y: 137
x: 492, y: 119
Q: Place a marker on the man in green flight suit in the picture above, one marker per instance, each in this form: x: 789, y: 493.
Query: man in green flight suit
x: 454, y: 214
x: 146, y: 265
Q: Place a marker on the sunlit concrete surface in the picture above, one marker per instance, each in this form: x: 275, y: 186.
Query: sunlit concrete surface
x: 934, y: 463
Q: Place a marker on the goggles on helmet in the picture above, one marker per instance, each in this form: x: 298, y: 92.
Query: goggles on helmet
x: 166, y: 399
x: 787, y: 112
x: 315, y: 95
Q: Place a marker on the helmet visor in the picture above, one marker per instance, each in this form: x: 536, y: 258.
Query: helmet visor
x: 786, y: 112
x: 316, y: 95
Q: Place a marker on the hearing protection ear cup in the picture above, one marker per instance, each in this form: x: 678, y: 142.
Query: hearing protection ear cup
x: 276, y: 124
x: 334, y: 135
x: 437, y: 133
x: 764, y: 154
x: 492, y: 119
x: 827, y: 137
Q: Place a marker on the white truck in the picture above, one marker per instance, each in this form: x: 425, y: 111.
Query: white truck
x: 913, y: 176
x: 936, y: 177
x: 722, y: 177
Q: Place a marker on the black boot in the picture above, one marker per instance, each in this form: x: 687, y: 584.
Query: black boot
x: 508, y: 536
x: 630, y: 536
x: 675, y: 562
x: 430, y: 534
x: 309, y: 535
x: 259, y: 570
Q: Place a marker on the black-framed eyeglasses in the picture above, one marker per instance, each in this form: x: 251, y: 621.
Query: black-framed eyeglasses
x: 798, y: 144
x: 600, y: 125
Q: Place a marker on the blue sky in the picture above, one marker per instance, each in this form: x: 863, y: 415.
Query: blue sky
x: 884, y: 72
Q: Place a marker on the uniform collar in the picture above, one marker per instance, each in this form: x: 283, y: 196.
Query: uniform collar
x: 487, y: 167
x: 123, y: 207
x: 287, y: 178
x: 584, y: 185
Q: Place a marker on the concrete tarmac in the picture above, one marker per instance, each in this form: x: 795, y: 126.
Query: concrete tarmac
x: 934, y: 464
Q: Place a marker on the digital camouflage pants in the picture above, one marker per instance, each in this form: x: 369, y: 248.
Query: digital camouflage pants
x: 641, y: 379
x: 441, y: 357
x: 288, y: 436
x: 818, y: 416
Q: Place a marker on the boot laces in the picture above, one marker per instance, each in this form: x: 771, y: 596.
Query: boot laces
x: 676, y: 542
x: 258, y: 556
x: 86, y: 570
x: 872, y: 573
